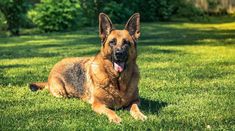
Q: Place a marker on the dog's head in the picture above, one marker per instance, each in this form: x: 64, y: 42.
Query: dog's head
x: 119, y: 46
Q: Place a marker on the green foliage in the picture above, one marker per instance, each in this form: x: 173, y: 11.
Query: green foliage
x: 63, y: 15
x: 146, y: 9
x: 14, y: 12
x: 56, y: 15
x: 188, y: 10
x: 3, y: 25
x: 118, y: 12
x: 90, y: 10
x: 164, y: 9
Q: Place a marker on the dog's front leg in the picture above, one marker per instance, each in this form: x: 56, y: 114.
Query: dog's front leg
x: 102, y: 109
x: 136, y: 113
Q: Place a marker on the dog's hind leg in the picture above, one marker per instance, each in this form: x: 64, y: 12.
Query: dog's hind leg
x: 57, y: 88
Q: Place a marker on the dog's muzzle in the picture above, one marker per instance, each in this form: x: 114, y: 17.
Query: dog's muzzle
x: 119, y: 59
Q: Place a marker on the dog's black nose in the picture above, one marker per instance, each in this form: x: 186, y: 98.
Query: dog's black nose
x: 119, y: 53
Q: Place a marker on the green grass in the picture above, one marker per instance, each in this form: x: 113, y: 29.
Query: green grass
x: 187, y: 79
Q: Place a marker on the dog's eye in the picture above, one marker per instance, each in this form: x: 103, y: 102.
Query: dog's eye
x: 112, y: 43
x: 126, y: 43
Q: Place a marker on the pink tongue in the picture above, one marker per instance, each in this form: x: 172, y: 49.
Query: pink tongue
x: 119, y: 66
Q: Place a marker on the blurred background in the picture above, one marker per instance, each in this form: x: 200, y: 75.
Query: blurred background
x: 29, y: 16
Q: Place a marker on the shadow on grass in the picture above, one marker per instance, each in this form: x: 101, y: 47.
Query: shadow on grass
x: 12, y: 66
x: 206, y: 20
x: 152, y: 106
x: 161, y: 34
x: 35, y: 46
x: 154, y: 34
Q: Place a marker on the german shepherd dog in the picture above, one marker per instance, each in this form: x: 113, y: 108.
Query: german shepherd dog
x: 107, y: 81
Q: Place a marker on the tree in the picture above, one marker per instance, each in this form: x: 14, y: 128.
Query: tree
x: 14, y: 11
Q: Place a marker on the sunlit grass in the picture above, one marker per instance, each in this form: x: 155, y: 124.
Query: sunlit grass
x: 187, y: 79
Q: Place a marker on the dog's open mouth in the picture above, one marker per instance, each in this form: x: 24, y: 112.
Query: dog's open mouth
x: 119, y: 66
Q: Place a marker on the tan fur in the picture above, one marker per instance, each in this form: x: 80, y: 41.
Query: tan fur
x: 103, y: 87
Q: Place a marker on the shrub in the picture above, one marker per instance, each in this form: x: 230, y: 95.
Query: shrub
x: 3, y: 25
x: 121, y: 10
x: 147, y: 9
x: 164, y: 9
x: 155, y: 10
x: 14, y: 13
x: 118, y: 12
x: 90, y: 10
x: 188, y: 10
x: 56, y: 15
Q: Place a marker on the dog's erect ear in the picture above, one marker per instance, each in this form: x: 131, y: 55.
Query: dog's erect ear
x: 133, y: 26
x: 105, y: 26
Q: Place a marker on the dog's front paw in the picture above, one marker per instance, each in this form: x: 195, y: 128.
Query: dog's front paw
x: 116, y: 119
x: 139, y: 116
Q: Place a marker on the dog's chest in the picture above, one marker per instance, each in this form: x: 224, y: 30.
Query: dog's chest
x: 118, y: 95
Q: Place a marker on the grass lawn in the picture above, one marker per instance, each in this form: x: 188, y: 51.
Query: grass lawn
x: 187, y: 79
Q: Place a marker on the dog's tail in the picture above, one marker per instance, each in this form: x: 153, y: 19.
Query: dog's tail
x: 38, y: 86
